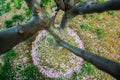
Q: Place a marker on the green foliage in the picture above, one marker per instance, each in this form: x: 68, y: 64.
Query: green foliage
x: 18, y: 17
x: 88, y: 68
x: 4, y: 7
x: 1, y: 2
x: 101, y: 0
x: 8, y: 73
x: 72, y: 41
x: 6, y: 70
x: 11, y: 0
x: 30, y: 72
x: 50, y: 40
x: 15, y: 18
x: 45, y: 2
x: 111, y: 13
x: 84, y: 27
x: 17, y: 4
x: 8, y: 23
x: 91, y: 24
x: 10, y: 54
x: 7, y: 7
x: 28, y: 13
x: 74, y: 76
x: 99, y: 32
x: 57, y: 79
x: 82, y: 0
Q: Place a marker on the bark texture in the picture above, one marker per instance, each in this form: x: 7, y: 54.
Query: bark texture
x: 12, y: 36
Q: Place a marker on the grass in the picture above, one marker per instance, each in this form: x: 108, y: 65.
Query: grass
x: 111, y: 13
x: 9, y: 23
x: 6, y: 70
x: 99, y: 32
x: 88, y: 68
x: 30, y: 72
x: 84, y: 27
x: 16, y: 18
x: 19, y: 3
x: 4, y: 7
x: 50, y: 40
x: 28, y: 13
x: 72, y: 42
x: 8, y: 73
x: 89, y: 24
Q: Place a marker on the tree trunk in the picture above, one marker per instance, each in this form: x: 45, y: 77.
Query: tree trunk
x: 106, y: 65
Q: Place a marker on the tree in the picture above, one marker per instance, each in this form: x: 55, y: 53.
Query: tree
x: 12, y: 36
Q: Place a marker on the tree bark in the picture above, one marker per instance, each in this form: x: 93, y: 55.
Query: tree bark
x: 106, y: 65
x: 95, y: 8
x: 85, y: 8
x: 12, y: 36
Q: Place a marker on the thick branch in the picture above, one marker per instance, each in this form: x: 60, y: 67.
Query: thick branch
x: 95, y: 8
x: 111, y: 67
x: 85, y: 8
x: 12, y: 36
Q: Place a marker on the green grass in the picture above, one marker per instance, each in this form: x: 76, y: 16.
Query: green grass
x: 72, y: 41
x: 4, y: 7
x: 9, y: 23
x: 28, y: 13
x: 111, y: 13
x: 8, y: 73
x: 50, y: 40
x: 16, y: 18
x: 84, y: 27
x: 18, y: 3
x: 99, y: 32
x: 88, y: 69
x: 88, y: 16
x: 30, y: 72
x: 6, y: 70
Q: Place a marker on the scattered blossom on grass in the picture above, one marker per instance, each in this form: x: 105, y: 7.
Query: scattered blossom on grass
x: 57, y: 62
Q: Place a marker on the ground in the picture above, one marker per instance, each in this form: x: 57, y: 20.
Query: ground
x: 100, y: 33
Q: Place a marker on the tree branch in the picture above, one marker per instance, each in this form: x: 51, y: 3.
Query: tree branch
x: 12, y: 36
x: 95, y: 8
x: 106, y: 65
x: 85, y: 8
